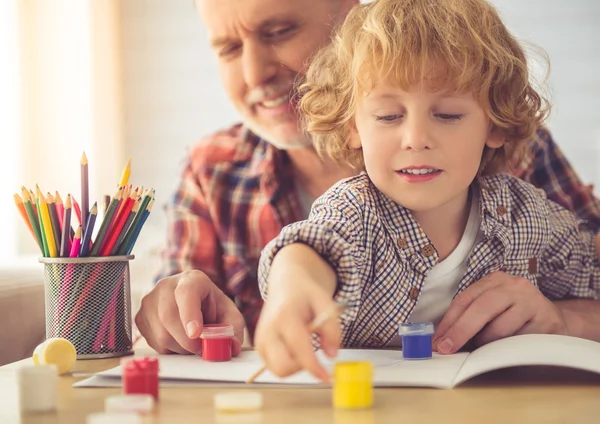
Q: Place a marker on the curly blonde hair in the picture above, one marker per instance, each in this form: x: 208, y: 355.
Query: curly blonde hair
x: 401, y: 42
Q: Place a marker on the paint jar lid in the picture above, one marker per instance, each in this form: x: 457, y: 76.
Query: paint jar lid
x: 238, y: 401
x: 415, y: 328
x: 56, y: 351
x: 113, y: 418
x: 353, y: 371
x: 137, y: 403
x: 143, y: 365
x: 216, y: 331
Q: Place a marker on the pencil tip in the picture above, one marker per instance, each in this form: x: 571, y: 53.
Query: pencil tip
x: 84, y: 160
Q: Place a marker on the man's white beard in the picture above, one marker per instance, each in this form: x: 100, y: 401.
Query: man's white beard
x: 301, y: 141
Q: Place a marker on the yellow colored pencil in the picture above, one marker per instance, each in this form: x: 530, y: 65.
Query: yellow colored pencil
x: 125, y: 174
x: 45, y: 217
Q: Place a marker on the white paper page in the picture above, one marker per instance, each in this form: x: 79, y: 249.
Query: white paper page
x: 389, y: 369
x: 532, y: 349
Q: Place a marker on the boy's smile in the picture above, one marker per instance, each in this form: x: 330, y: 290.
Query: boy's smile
x: 418, y: 174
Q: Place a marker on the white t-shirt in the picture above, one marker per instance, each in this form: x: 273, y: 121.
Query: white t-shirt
x: 441, y: 283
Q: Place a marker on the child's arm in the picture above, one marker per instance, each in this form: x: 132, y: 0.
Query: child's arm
x: 300, y: 273
x: 301, y: 287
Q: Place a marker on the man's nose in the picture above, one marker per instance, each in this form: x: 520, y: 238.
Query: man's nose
x: 260, y: 64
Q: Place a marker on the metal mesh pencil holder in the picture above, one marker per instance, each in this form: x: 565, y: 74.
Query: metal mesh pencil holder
x: 88, y: 302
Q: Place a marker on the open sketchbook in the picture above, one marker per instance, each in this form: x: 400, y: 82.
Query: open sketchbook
x: 390, y: 370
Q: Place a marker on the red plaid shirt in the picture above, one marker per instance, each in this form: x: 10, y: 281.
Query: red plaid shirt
x: 236, y: 194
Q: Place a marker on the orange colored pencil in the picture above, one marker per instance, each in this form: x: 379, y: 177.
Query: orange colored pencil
x: 23, y: 212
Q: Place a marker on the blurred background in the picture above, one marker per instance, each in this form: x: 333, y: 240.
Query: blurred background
x: 136, y: 78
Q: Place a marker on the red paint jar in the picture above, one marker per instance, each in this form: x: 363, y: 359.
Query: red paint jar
x: 216, y: 342
x: 140, y: 376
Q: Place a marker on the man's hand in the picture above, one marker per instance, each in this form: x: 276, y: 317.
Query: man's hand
x: 497, y: 306
x: 172, y: 315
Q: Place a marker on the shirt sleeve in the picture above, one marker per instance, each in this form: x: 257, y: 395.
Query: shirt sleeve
x: 549, y: 169
x: 569, y: 267
x: 192, y: 242
x: 334, y: 229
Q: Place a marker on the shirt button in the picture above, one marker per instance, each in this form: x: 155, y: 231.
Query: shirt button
x: 501, y: 210
x: 428, y: 250
x: 402, y: 243
x: 414, y: 293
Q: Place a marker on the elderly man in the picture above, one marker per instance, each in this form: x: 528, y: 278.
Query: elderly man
x: 240, y: 186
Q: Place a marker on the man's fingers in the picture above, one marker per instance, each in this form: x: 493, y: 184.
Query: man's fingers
x: 481, y: 311
x: 169, y: 316
x: 299, y: 343
x: 461, y: 303
x: 228, y: 313
x: 506, y: 324
x: 189, y: 295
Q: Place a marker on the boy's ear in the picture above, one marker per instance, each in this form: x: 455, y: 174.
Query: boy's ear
x: 496, y: 138
x: 354, y: 141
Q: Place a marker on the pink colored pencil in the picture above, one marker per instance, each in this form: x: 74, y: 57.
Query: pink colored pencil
x: 76, y: 244
x: 76, y: 312
x: 64, y: 288
x: 60, y: 209
x: 108, y: 316
x: 77, y: 211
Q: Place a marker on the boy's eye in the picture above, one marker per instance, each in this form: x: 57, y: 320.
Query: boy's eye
x: 387, y: 118
x: 449, y: 117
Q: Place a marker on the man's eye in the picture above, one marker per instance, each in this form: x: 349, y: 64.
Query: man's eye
x: 229, y: 50
x: 387, y: 118
x: 449, y: 117
x: 279, y: 32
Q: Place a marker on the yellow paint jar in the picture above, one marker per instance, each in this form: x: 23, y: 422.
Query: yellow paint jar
x: 353, y: 385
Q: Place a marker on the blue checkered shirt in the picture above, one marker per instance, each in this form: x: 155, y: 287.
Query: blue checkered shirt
x: 382, y: 257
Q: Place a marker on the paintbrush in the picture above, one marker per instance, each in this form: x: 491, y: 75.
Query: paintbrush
x: 319, y: 320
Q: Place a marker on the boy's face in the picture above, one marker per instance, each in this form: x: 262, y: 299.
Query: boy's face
x: 261, y: 47
x: 422, y: 149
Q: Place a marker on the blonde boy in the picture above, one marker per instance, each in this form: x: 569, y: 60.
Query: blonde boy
x: 432, y: 99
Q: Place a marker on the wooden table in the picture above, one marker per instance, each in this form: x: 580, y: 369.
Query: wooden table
x: 526, y: 395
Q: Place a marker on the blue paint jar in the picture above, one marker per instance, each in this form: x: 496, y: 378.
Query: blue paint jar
x: 416, y: 340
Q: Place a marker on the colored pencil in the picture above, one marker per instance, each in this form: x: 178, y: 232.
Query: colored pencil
x: 139, y: 228
x: 125, y: 174
x: 23, y: 212
x: 32, y: 218
x: 54, y: 221
x: 65, y: 244
x: 77, y: 210
x: 89, y: 229
x: 106, y: 203
x: 135, y: 224
x: 42, y: 229
x: 45, y: 214
x: 85, y: 190
x: 111, y: 238
x: 112, y: 209
x: 132, y: 214
x: 60, y: 209
x: 76, y: 243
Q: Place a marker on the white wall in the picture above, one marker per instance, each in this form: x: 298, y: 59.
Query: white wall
x: 172, y: 91
x: 173, y: 94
